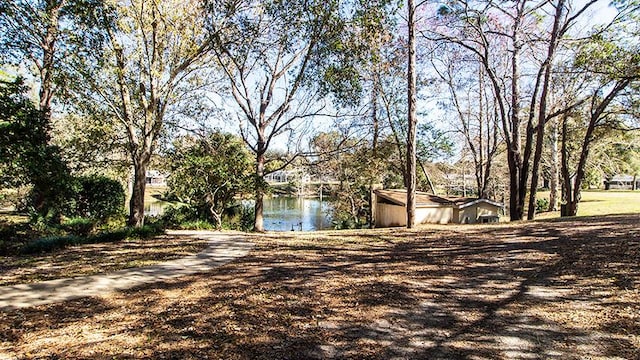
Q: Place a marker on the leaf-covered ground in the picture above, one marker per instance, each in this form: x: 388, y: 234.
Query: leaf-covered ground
x: 89, y: 259
x: 554, y: 289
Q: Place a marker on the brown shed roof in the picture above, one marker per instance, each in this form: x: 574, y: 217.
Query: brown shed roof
x: 399, y: 197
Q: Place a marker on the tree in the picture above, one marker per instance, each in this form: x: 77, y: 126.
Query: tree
x: 412, y: 121
x: 607, y: 105
x: 40, y: 36
x: 31, y: 34
x: 431, y: 144
x: 268, y: 51
x: 208, y: 173
x: 506, y: 38
x: 26, y: 157
x: 374, y: 50
x: 471, y: 99
x: 350, y: 160
x: 153, y: 53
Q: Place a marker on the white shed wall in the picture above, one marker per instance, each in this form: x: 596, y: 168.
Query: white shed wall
x: 470, y: 215
x: 434, y: 215
x: 388, y: 215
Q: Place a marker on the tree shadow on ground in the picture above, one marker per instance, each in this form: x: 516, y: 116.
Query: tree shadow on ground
x: 554, y: 289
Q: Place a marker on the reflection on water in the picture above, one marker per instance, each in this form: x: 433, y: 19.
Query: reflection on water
x: 154, y: 207
x: 280, y: 213
x: 299, y: 214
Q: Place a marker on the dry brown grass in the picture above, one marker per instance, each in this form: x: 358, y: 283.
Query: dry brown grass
x: 556, y: 289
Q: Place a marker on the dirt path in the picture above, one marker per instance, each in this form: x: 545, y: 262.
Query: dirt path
x: 223, y: 248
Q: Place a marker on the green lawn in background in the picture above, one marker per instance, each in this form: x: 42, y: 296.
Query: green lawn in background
x: 601, y: 202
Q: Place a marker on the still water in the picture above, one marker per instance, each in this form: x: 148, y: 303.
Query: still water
x: 280, y: 213
x: 296, y: 213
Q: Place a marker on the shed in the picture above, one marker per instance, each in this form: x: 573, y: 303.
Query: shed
x: 622, y: 182
x: 475, y: 210
x: 390, y: 209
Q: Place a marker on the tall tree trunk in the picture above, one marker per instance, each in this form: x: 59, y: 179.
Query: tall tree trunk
x: 464, y: 181
x: 411, y: 132
x: 596, y: 112
x: 374, y: 114
x: 376, y: 129
x: 46, y: 68
x: 426, y: 175
x: 515, y: 209
x: 46, y: 92
x: 136, y: 204
x: 553, y: 184
x: 258, y: 223
x: 566, y: 175
x: 517, y: 173
x: 480, y: 175
x: 542, y: 110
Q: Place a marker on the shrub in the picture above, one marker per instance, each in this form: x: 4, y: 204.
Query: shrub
x: 147, y: 231
x: 93, y: 197
x: 542, y: 205
x: 8, y: 233
x: 109, y: 236
x: 247, y: 218
x: 196, y: 225
x: 239, y: 217
x: 174, y: 216
x: 99, y: 198
x: 51, y: 243
x: 40, y: 226
x: 346, y: 223
x: 48, y: 244
x: 79, y: 226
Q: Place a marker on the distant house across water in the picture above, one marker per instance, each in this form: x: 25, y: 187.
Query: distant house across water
x: 285, y: 176
x: 156, y: 178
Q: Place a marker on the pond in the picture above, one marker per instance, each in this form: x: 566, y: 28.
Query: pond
x: 296, y: 213
x: 280, y: 213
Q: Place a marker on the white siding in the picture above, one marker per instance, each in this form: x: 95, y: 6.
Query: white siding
x: 434, y: 215
x: 470, y: 215
x: 388, y: 215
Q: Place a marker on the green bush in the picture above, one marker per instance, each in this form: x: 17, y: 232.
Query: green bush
x: 48, y: 244
x: 40, y: 226
x: 147, y: 231
x: 51, y: 243
x: 78, y: 226
x: 239, y: 217
x: 99, y: 198
x: 93, y: 197
x: 174, y: 216
x: 542, y: 205
x: 346, y: 223
x: 197, y: 225
x: 8, y: 233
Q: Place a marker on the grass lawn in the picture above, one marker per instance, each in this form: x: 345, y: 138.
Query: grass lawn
x: 601, y: 202
x: 566, y: 289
